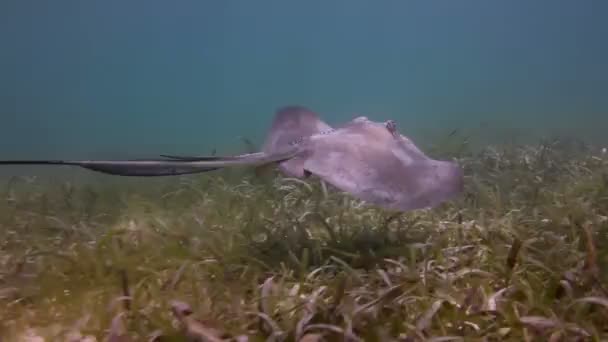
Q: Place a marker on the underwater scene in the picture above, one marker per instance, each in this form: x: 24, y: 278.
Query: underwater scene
x: 278, y: 170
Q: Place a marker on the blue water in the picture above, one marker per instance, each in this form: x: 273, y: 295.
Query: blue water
x: 86, y: 79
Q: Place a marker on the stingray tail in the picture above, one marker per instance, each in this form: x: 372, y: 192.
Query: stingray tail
x: 159, y: 167
x: 290, y: 124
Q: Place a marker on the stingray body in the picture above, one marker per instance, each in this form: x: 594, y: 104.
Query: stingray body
x: 370, y: 160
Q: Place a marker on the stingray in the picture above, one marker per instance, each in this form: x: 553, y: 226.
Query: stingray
x: 370, y: 160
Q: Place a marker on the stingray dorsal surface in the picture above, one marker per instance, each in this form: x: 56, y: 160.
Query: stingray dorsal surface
x: 367, y: 160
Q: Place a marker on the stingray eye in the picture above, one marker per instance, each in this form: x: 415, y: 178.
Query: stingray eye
x: 391, y: 126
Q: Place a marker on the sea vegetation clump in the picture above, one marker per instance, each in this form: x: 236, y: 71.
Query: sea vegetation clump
x: 521, y: 256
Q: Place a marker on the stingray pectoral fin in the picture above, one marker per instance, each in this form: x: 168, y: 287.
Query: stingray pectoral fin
x: 366, y: 160
x: 150, y: 168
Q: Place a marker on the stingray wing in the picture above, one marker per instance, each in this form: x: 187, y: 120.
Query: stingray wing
x: 364, y: 159
x: 290, y: 126
x: 155, y: 167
